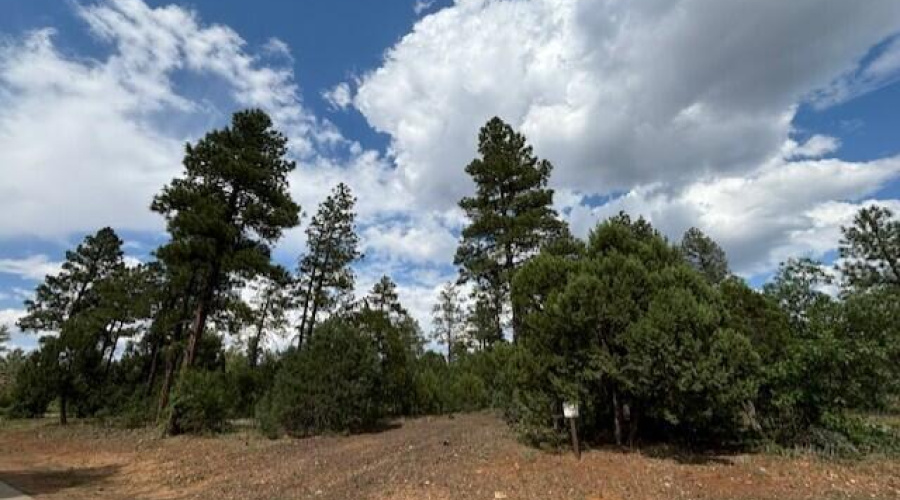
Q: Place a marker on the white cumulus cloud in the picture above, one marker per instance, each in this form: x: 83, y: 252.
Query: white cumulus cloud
x: 615, y: 93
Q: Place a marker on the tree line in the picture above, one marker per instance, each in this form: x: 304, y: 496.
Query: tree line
x: 655, y: 340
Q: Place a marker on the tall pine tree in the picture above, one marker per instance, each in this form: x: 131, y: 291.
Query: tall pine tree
x: 510, y: 215
x: 231, y: 204
x: 384, y: 298
x: 449, y: 320
x: 325, y: 276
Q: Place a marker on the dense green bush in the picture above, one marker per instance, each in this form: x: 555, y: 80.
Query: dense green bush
x: 200, y: 403
x: 35, y: 386
x: 474, y: 381
x: 10, y: 366
x: 333, y: 384
x: 635, y: 335
x: 246, y: 385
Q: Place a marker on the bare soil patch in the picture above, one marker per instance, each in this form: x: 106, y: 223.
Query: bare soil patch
x: 466, y: 457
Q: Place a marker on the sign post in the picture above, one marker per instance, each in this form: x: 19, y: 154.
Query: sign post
x: 570, y: 411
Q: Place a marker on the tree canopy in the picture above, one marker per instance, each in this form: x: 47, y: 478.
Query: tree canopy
x: 510, y: 215
x: 230, y: 205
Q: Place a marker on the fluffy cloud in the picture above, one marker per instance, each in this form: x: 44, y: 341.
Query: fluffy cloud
x: 74, y: 152
x: 783, y: 209
x: 86, y: 143
x: 683, y: 106
x: 616, y: 93
x: 419, y: 240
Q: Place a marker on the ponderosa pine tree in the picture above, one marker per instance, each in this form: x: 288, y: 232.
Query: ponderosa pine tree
x: 705, y: 255
x: 173, y: 297
x: 231, y: 204
x: 384, y: 298
x: 448, y: 319
x: 77, y: 304
x: 870, y: 249
x: 511, y: 214
x: 65, y: 295
x: 324, y: 272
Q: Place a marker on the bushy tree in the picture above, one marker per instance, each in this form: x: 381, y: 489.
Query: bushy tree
x: 87, y: 305
x: 827, y: 364
x: 10, y: 366
x: 798, y: 288
x: 200, y: 404
x: 510, y: 216
x: 331, y: 385
x: 870, y: 323
x: 870, y: 249
x: 705, y: 255
x: 633, y: 333
x: 38, y: 382
x: 398, y: 341
x: 65, y: 295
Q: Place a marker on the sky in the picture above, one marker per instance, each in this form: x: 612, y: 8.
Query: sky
x: 767, y: 124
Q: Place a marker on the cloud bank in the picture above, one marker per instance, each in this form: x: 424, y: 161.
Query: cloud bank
x: 681, y: 111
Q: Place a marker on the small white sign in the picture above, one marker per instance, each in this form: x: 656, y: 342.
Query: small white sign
x: 570, y: 410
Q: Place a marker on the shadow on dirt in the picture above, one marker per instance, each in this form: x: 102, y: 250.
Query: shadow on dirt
x: 688, y: 457
x: 44, y: 481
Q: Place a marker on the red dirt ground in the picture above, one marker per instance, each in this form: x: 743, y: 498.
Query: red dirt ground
x: 467, y: 457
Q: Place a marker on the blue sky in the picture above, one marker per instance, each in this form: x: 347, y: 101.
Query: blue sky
x: 767, y: 125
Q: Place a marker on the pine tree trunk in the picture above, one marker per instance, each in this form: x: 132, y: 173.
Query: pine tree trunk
x: 171, y: 364
x: 617, y: 418
x: 196, y: 331
x: 509, y: 267
x: 112, y: 352
x: 315, y: 304
x: 253, y: 355
x: 202, y: 312
x: 632, y: 427
x: 63, y: 408
x: 253, y: 351
x: 154, y: 362
x: 303, y: 317
x: 209, y: 290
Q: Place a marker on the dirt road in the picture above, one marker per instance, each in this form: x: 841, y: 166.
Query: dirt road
x: 468, y: 457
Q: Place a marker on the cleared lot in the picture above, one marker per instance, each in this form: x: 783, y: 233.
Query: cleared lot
x: 470, y: 456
